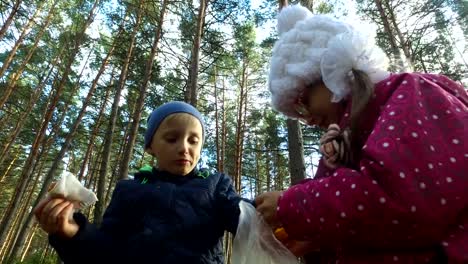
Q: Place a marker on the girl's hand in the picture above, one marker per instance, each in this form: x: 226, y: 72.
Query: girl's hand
x: 55, y: 216
x: 267, y: 204
x: 299, y: 248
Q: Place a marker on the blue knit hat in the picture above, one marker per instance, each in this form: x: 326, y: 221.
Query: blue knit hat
x: 160, y: 113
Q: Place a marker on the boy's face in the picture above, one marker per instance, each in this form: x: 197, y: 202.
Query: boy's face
x: 177, y: 143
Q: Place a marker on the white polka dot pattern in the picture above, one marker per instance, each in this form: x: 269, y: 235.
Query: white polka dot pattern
x: 411, y: 166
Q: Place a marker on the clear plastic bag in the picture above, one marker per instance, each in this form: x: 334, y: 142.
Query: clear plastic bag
x: 255, y: 243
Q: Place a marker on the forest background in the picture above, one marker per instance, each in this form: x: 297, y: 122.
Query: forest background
x: 78, y: 79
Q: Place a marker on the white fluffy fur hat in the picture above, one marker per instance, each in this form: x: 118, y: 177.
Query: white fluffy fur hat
x: 311, y: 47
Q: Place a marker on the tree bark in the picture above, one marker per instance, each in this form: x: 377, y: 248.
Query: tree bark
x: 32, y: 158
x: 296, y: 151
x: 216, y: 117
x: 94, y: 132
x: 268, y: 159
x: 11, y: 16
x: 22, y: 229
x: 308, y: 3
x: 141, y: 96
x: 9, y: 167
x: 403, y: 41
x: 29, y: 240
x: 223, y: 129
x: 258, y: 156
x: 19, y: 41
x: 295, y: 141
x: 389, y: 31
x: 240, y: 127
x: 99, y: 208
x: 16, y: 75
x: 66, y: 145
x: 282, y: 3
x: 10, y: 238
x: 32, y: 102
x: 195, y: 57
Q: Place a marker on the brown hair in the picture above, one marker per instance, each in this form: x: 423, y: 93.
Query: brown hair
x: 362, y: 90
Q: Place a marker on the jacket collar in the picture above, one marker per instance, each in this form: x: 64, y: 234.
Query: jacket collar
x: 161, y: 175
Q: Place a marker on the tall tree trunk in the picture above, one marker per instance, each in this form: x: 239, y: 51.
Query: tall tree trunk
x: 192, y: 89
x: 223, y: 129
x: 66, y: 145
x: 240, y: 128
x: 278, y: 176
x: 16, y: 75
x: 228, y: 247
x: 9, y: 167
x: 23, y: 207
x: 282, y: 3
x: 94, y: 167
x: 244, y: 120
x: 22, y: 229
x: 46, y: 253
x: 117, y: 165
x: 94, y: 132
x: 11, y: 16
x: 258, y: 156
x: 141, y: 96
x: 296, y: 151
x: 99, y: 208
x: 4, y: 246
x: 19, y: 41
x: 24, y: 178
x: 403, y: 41
x: 295, y: 141
x: 32, y: 102
x: 307, y: 3
x: 216, y: 117
x: 390, y: 34
x: 268, y: 171
x: 32, y: 158
x: 29, y: 240
x: 9, y: 239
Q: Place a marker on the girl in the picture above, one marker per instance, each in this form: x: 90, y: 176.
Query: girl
x: 391, y: 186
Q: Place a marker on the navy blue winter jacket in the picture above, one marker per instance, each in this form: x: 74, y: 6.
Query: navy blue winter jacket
x: 158, y: 218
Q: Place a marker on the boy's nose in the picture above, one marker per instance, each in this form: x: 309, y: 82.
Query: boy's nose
x: 183, y: 147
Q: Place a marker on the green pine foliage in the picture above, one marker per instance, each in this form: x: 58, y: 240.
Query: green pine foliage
x: 70, y: 47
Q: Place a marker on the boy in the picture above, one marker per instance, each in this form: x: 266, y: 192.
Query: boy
x: 170, y: 214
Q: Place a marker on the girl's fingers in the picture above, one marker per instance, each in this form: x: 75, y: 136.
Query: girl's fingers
x: 260, y: 208
x: 259, y: 200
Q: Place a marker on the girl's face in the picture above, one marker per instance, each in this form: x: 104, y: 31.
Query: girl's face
x: 316, y: 108
x: 177, y: 143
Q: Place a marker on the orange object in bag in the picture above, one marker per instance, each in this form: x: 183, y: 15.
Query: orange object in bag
x: 281, y: 234
x: 256, y: 243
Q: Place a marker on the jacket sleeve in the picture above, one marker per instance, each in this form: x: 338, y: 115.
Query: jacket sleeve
x: 227, y: 201
x: 411, y: 184
x: 91, y: 242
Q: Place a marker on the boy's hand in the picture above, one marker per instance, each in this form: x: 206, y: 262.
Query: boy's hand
x: 55, y: 216
x: 266, y: 206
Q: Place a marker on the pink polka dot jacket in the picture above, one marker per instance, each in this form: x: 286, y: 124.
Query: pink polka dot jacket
x: 408, y: 200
